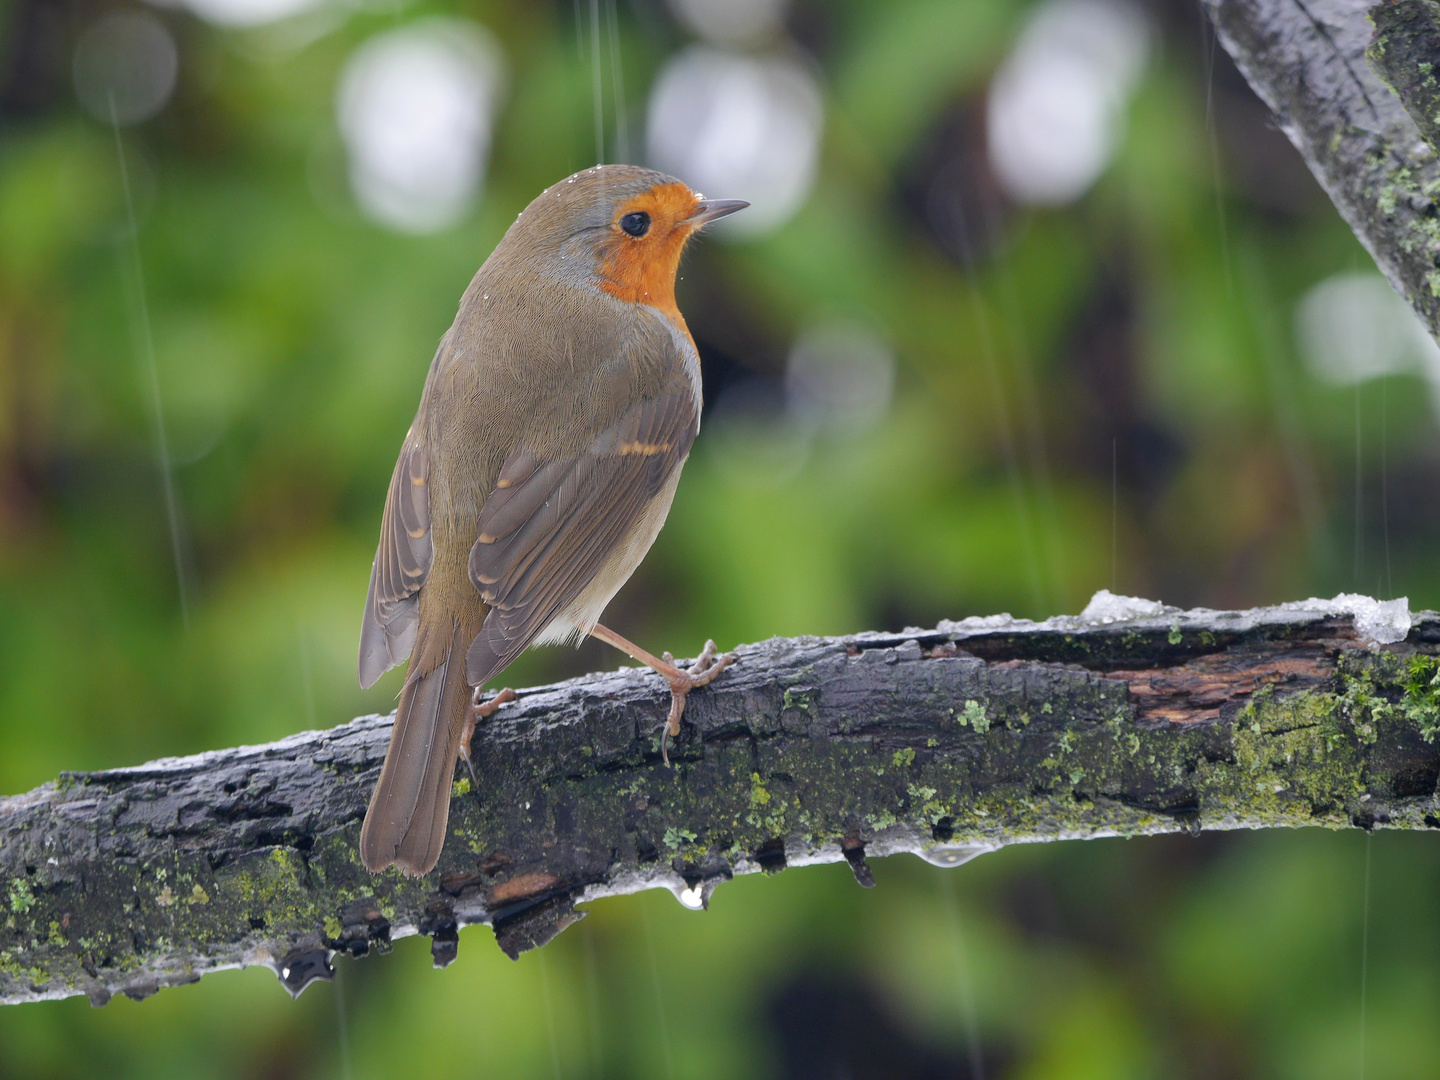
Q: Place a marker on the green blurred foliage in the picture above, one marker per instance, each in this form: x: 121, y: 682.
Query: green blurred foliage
x: 1110, y: 396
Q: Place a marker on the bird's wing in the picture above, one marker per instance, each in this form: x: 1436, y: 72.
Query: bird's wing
x: 402, y: 563
x: 549, y: 525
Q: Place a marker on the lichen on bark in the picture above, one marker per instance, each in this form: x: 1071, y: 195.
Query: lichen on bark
x: 1405, y: 52
x: 941, y: 743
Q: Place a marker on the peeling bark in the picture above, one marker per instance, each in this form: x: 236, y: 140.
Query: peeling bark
x: 1306, y: 59
x: 943, y: 743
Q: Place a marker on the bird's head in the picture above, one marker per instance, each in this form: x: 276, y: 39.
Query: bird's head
x: 618, y: 227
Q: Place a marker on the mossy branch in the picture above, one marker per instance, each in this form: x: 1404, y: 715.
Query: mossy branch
x: 1405, y: 52
x: 942, y: 743
x: 1307, y: 60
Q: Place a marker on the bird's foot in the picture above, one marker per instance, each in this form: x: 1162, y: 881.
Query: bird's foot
x: 682, y: 680
x: 480, y: 710
x: 701, y: 672
x: 483, y: 710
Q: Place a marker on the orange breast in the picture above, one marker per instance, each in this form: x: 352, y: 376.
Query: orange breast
x: 642, y: 271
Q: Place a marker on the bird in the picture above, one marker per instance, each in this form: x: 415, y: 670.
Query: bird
x: 555, y: 418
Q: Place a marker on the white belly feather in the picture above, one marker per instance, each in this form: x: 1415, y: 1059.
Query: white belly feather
x: 577, y: 620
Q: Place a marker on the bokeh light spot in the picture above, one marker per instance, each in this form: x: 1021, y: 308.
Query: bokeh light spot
x: 737, y: 126
x: 1056, y: 105
x: 1352, y: 327
x: 731, y: 22
x: 125, y: 67
x: 245, y: 13
x: 415, y: 109
x: 839, y: 377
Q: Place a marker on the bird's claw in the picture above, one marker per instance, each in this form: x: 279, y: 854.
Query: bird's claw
x: 480, y: 710
x: 705, y: 666
x: 486, y: 709
x: 701, y: 672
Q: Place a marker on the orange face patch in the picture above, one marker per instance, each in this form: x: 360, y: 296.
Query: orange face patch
x: 641, y: 269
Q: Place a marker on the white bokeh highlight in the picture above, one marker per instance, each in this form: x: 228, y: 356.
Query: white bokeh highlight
x: 244, y: 13
x: 124, y: 67
x: 839, y: 378
x: 738, y: 127
x: 1056, y: 109
x: 731, y: 22
x: 1353, y: 327
x: 416, y: 108
x: 838, y: 385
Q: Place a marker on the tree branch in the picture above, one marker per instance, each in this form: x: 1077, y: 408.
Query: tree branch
x: 1404, y: 52
x: 942, y: 743
x: 1307, y: 61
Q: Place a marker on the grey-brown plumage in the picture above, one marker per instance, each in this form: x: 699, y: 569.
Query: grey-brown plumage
x: 554, y: 422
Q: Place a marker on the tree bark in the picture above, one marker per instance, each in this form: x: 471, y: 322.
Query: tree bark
x: 1307, y: 60
x: 944, y: 743
x: 1405, y: 52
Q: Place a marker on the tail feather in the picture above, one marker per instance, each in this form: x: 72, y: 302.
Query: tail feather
x: 410, y: 808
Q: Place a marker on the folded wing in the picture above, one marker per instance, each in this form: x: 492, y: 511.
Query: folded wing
x: 550, y: 526
x: 402, y: 562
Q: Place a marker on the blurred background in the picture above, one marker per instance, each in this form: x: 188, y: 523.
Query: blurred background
x: 1033, y: 300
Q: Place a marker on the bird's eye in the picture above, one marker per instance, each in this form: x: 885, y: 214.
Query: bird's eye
x: 636, y: 224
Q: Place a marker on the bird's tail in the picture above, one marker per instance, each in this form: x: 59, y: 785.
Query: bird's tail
x: 411, y: 804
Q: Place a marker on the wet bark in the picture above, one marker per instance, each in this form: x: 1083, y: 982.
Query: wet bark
x: 1405, y: 52
x: 943, y: 743
x: 1307, y: 60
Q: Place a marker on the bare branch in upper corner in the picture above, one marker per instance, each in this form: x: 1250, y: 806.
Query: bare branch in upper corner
x: 1307, y: 61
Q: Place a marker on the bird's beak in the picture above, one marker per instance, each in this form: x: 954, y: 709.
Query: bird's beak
x: 708, y: 210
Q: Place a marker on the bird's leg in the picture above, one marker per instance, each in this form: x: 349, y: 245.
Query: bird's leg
x: 480, y: 710
x: 682, y: 680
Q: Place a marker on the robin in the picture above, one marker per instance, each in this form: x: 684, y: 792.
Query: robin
x: 555, y: 420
